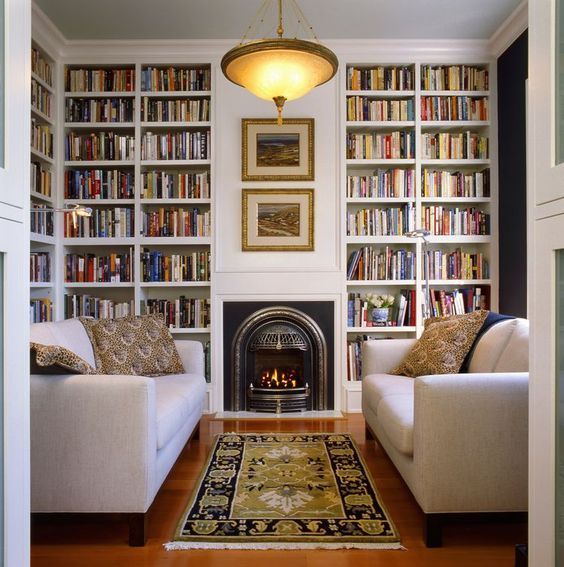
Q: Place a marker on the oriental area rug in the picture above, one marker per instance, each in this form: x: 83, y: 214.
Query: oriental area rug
x: 285, y: 491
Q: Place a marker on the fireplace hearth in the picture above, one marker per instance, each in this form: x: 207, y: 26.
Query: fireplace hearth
x: 278, y: 362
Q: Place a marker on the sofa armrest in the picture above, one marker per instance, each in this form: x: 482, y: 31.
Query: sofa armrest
x: 470, y: 442
x: 93, y: 443
x: 192, y: 355
x: 381, y: 356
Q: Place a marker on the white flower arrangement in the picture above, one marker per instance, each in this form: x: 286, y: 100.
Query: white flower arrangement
x: 379, y: 301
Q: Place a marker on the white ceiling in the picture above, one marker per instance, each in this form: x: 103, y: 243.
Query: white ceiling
x: 228, y: 19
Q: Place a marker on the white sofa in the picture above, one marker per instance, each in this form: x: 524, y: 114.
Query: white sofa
x: 458, y: 440
x: 105, y: 444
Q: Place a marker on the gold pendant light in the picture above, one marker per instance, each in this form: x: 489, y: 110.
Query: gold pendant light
x: 279, y: 68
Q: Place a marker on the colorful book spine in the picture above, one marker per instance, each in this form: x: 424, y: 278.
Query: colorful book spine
x: 181, y: 313
x: 156, y: 266
x: 390, y: 221
x: 384, y: 184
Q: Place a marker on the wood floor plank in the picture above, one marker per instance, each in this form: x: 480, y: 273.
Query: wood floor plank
x: 104, y: 544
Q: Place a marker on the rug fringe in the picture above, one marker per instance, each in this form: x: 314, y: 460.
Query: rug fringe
x: 183, y: 545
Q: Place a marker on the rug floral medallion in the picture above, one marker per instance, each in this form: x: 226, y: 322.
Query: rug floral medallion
x: 282, y: 491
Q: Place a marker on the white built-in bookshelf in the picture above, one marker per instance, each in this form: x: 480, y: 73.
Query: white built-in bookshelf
x: 42, y: 185
x: 136, y: 147
x: 419, y: 152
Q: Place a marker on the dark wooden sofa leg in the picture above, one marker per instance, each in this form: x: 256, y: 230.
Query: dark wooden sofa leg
x: 196, y: 433
x: 368, y: 433
x: 138, y: 529
x: 433, y: 533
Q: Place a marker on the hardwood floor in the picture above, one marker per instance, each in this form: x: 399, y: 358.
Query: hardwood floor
x: 89, y: 543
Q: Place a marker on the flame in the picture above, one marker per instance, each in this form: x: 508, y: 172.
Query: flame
x: 279, y: 378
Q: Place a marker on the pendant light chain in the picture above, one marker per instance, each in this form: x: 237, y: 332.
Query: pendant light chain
x: 259, y: 17
x: 280, y: 30
x: 300, y: 16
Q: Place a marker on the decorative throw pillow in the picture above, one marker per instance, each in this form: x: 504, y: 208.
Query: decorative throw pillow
x: 55, y: 359
x: 442, y: 347
x: 139, y: 345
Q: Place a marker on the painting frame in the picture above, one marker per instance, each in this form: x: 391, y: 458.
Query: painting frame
x: 296, y: 163
x: 300, y: 237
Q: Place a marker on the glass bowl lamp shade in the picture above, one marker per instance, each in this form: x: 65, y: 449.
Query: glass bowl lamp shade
x: 279, y: 69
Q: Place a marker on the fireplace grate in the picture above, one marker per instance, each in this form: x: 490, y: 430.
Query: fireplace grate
x: 279, y: 337
x: 279, y: 401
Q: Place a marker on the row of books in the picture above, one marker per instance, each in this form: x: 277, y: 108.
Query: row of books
x: 165, y: 185
x: 385, y: 183
x: 454, y: 108
x: 179, y: 110
x: 40, y: 310
x: 402, y: 313
x: 41, y: 67
x: 115, y: 222
x: 181, y: 313
x: 369, y: 263
x: 454, y: 78
x: 41, y: 180
x: 175, y: 79
x: 392, y: 145
x: 99, y: 146
x: 99, y: 110
x: 99, y: 80
x: 176, y: 222
x: 111, y: 268
x: 455, y: 221
x: 41, y: 138
x: 39, y: 267
x: 156, y: 266
x: 381, y: 78
x: 354, y: 358
x: 462, y: 145
x: 176, y: 145
x: 99, y: 184
x: 389, y: 221
x: 443, y: 183
x: 41, y: 98
x: 77, y: 305
x: 456, y: 301
x: 457, y: 265
x: 40, y: 221
x: 363, y: 108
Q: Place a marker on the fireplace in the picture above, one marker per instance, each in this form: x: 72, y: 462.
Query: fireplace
x: 279, y: 358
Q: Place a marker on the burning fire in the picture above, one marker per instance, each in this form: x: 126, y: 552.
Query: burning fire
x: 283, y: 378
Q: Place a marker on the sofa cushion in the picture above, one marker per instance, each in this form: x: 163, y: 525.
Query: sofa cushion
x: 375, y: 387
x: 490, y: 345
x: 395, y: 415
x: 442, y: 347
x: 56, y: 359
x: 515, y: 356
x: 177, y: 397
x: 69, y: 334
x: 141, y: 346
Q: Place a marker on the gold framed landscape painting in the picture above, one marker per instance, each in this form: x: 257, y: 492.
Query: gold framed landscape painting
x: 277, y: 220
x: 272, y: 152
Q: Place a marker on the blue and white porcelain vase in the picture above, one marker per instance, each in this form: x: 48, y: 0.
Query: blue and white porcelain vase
x: 380, y: 315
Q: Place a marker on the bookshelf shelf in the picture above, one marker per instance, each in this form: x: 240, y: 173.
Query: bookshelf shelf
x: 175, y: 201
x: 459, y: 239
x: 175, y: 162
x: 41, y: 197
x: 172, y: 125
x: 453, y: 124
x: 456, y: 199
x: 43, y: 83
x: 99, y: 284
x: 95, y: 202
x: 42, y: 116
x: 174, y: 284
x: 459, y: 282
x: 381, y: 94
x: 100, y: 125
x: 100, y: 94
x: 175, y: 240
x: 377, y: 200
x: 455, y: 93
x: 77, y: 164
x: 367, y: 163
x: 385, y: 330
x: 88, y: 241
x: 381, y: 283
x: 180, y: 94
x: 41, y: 156
x: 379, y: 240
x: 190, y: 331
x: 456, y: 162
x: 41, y: 285
x: 367, y: 124
x: 35, y: 238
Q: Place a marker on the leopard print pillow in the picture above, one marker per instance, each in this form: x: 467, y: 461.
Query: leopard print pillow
x: 442, y: 347
x: 141, y: 346
x: 55, y: 359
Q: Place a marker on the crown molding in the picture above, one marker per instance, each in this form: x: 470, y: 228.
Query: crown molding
x: 46, y: 33
x: 510, y: 30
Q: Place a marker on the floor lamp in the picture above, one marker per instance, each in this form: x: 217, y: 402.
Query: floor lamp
x: 423, y: 234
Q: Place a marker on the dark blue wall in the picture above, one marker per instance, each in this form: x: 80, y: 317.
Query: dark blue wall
x: 511, y: 77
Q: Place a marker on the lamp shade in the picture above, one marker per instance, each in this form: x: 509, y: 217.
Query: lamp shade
x: 273, y: 68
